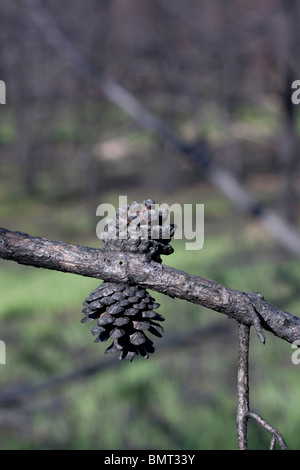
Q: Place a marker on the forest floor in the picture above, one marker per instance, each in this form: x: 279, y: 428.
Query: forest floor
x: 184, y: 396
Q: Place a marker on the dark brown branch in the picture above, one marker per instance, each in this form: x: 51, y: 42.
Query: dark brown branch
x: 123, y: 267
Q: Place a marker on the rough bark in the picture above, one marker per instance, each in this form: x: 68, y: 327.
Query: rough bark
x: 123, y: 267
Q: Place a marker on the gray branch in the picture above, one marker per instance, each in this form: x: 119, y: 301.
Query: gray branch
x: 127, y: 268
x: 243, y: 411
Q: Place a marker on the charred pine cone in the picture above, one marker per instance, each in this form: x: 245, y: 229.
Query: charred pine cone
x: 125, y: 313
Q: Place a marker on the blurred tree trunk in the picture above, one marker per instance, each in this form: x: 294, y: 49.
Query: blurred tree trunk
x: 288, y: 153
x: 288, y: 160
x: 230, y: 84
x: 28, y: 151
x: 230, y: 88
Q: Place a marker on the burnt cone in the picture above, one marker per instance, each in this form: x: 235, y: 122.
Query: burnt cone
x: 125, y: 313
x: 139, y: 228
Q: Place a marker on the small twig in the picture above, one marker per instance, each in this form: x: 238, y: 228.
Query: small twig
x: 243, y: 410
x: 273, y: 442
x: 256, y: 319
x: 276, y: 436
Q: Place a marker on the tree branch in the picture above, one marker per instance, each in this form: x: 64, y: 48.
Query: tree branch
x: 243, y: 386
x: 243, y: 410
x: 243, y: 307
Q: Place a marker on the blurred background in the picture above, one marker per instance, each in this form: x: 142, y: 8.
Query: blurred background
x: 219, y: 74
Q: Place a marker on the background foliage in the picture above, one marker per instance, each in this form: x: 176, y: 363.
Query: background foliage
x: 216, y: 72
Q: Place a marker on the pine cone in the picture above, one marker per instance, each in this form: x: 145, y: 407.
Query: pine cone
x: 138, y: 228
x: 124, y: 312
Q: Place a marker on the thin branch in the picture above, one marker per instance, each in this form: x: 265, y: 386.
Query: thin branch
x: 224, y: 180
x: 130, y: 269
x: 276, y: 436
x: 243, y: 410
x: 243, y: 386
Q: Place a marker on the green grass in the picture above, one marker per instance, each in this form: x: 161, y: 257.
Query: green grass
x: 25, y: 290
x: 182, y: 399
